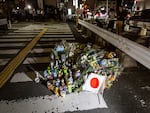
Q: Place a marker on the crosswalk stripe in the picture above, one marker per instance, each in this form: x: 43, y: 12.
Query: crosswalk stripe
x: 25, y: 33
x: 41, y: 50
x: 45, y: 45
x: 15, y: 51
x: 14, y: 40
x: 10, y: 68
x: 36, y: 60
x: 9, y: 51
x: 54, y: 39
x: 60, y: 36
x: 12, y: 44
x: 21, y: 77
x: 33, y: 33
x: 58, y: 33
x: 28, y: 60
x: 18, y: 36
x: 4, y: 61
x: 37, y: 28
x: 48, y: 32
x: 30, y: 36
x: 19, y: 44
x: 54, y: 104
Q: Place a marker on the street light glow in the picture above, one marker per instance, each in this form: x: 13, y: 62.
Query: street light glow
x: 69, y: 12
x: 29, y: 6
x: 18, y: 8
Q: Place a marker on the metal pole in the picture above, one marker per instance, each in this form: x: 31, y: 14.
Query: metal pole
x: 107, y: 6
x: 9, y: 15
x: 122, y: 2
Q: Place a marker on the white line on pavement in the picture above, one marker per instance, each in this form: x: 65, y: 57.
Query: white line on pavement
x: 72, y: 102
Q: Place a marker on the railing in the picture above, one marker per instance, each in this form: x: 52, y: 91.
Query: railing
x: 135, y: 50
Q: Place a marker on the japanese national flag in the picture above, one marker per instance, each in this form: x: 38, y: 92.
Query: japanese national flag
x: 94, y: 83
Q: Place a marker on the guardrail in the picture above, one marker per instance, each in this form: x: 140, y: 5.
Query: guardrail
x: 133, y: 49
x: 3, y: 21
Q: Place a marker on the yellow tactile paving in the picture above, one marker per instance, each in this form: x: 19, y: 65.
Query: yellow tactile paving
x: 10, y: 68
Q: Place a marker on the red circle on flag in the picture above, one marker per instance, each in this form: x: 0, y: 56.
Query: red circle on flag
x: 94, y: 82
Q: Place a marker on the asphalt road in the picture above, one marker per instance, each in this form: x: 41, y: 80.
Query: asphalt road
x: 130, y: 93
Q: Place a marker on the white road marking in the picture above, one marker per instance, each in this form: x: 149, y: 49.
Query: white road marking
x: 15, y: 39
x: 38, y: 60
x: 55, y: 39
x: 15, y: 51
x: 59, y: 36
x: 9, y: 51
x: 32, y: 60
x: 4, y: 61
x: 29, y: 37
x: 40, y: 50
x: 20, y: 77
x: 49, y: 31
x: 35, y: 33
x: 12, y: 44
x: 72, y: 102
x: 18, y: 36
x: 25, y: 33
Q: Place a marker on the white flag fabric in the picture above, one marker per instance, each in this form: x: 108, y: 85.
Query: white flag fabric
x: 94, y: 83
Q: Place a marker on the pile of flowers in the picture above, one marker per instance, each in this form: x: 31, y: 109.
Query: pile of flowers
x: 71, y: 63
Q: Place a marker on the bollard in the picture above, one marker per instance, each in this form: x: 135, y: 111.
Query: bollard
x: 9, y: 24
x: 143, y: 31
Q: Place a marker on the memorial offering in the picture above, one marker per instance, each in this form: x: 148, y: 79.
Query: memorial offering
x: 72, y: 63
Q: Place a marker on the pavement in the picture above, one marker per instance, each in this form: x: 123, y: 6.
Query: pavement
x: 130, y: 93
